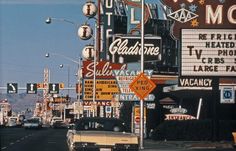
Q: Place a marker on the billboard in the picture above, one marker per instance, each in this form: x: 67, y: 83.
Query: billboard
x: 128, y: 48
x: 105, y: 89
x: 208, y: 52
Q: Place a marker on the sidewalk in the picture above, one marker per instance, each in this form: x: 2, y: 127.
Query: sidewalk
x: 150, y: 144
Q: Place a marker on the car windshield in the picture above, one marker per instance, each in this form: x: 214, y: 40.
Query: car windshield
x: 58, y: 122
x: 100, y: 124
x: 32, y: 121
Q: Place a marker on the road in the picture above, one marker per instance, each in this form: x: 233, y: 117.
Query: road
x: 47, y: 139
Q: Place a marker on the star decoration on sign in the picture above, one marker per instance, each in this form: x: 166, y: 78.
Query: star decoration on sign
x: 194, y: 23
x: 193, y: 8
x: 190, y: 1
x: 222, y: 1
x: 202, y: 2
x: 192, y: 14
x: 183, y: 5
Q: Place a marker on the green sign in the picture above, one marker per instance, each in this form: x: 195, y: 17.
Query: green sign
x: 53, y: 88
x: 12, y: 88
x: 31, y: 88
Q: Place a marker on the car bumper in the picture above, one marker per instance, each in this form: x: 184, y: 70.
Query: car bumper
x: 94, y: 147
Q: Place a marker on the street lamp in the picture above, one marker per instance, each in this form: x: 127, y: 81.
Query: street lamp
x: 49, y: 20
x: 47, y: 55
x: 90, y: 11
x: 85, y: 33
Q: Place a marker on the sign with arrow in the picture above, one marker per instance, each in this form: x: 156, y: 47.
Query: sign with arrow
x: 53, y: 88
x: 12, y: 88
x: 31, y: 88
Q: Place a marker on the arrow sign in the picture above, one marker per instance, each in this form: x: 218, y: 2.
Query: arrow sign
x: 53, y: 88
x: 12, y: 88
x: 31, y: 88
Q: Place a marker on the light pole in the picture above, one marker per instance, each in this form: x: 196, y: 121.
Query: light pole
x: 90, y: 11
x: 85, y: 33
x: 68, y: 76
x: 142, y: 70
x: 47, y: 55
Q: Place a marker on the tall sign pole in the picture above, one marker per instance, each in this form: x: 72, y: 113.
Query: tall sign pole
x: 142, y: 70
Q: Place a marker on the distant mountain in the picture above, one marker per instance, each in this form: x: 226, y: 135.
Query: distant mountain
x: 22, y: 102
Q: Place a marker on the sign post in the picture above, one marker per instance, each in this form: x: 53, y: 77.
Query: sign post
x: 142, y: 86
x: 142, y: 69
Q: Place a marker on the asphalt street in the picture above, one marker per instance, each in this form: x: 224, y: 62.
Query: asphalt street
x: 45, y: 139
x: 48, y: 139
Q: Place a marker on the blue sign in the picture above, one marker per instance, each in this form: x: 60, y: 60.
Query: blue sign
x: 227, y: 94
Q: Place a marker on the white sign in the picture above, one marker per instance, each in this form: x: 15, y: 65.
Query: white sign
x: 129, y: 48
x: 178, y: 110
x: 194, y: 82
x: 227, y: 95
x: 208, y: 52
x: 132, y: 97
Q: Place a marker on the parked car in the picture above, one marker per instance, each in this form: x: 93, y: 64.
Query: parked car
x: 59, y: 124
x: 55, y: 118
x: 32, y: 123
x: 99, y: 133
x: 12, y: 122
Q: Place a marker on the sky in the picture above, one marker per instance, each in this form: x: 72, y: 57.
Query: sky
x: 25, y: 38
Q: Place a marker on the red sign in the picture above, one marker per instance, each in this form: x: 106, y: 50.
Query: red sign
x: 142, y: 86
x: 103, y: 69
x: 201, y: 14
x: 137, y: 119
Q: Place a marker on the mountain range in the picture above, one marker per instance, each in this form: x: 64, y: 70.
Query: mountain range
x: 22, y: 102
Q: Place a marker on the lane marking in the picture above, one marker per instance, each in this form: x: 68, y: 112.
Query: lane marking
x: 3, y: 148
x: 12, y: 143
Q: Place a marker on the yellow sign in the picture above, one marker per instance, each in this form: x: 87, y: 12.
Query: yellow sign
x: 61, y: 85
x: 105, y: 89
x: 41, y: 86
x: 142, y: 86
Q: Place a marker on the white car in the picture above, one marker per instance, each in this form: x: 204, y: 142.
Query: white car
x: 108, y: 134
x: 12, y: 122
x: 32, y: 123
x: 55, y: 119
